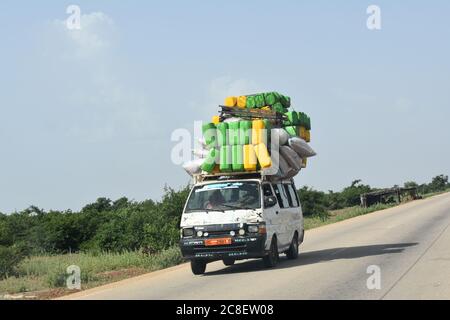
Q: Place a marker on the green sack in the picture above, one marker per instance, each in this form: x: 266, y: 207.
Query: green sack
x: 251, y: 102
x: 259, y: 101
x: 210, y: 161
x: 292, y: 130
x: 225, y: 159
x: 222, y: 134
x: 278, y: 107
x: 288, y: 102
x: 293, y: 117
x: 285, y: 101
x: 277, y: 97
x: 233, y: 133
x: 270, y: 98
x: 301, y: 119
x: 304, y: 120
x: 308, y: 123
x: 237, y: 158
x: 210, y: 134
x: 245, y: 132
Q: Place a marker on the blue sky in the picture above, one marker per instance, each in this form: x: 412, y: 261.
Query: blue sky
x: 90, y: 113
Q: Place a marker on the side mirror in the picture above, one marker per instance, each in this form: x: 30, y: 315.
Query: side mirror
x: 270, y: 201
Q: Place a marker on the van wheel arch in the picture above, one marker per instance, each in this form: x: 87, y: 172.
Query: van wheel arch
x: 292, y: 252
x: 271, y: 259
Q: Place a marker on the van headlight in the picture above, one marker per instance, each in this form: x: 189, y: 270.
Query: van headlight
x: 253, y: 228
x: 188, y: 232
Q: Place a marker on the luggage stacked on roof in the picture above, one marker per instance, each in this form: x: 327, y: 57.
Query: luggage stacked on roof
x: 254, y: 133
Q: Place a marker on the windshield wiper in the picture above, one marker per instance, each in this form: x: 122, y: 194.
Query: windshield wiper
x: 204, y: 210
x: 232, y: 207
x: 213, y: 210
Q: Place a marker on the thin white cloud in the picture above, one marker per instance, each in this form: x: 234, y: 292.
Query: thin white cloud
x: 95, y: 36
x: 105, y: 102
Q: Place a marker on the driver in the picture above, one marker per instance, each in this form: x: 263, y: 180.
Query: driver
x: 215, y: 200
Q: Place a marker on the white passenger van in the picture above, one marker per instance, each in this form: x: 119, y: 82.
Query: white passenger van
x: 231, y: 218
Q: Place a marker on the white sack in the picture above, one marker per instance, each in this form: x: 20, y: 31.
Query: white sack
x: 301, y: 147
x: 291, y: 157
x: 234, y: 119
x: 193, y: 167
x: 287, y: 171
x: 280, y: 134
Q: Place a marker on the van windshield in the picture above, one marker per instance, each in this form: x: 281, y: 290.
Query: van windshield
x: 225, y: 196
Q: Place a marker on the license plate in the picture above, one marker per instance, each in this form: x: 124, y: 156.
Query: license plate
x: 217, y: 242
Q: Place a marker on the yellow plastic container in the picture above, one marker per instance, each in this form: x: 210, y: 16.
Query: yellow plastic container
x: 242, y: 102
x: 215, y: 119
x: 230, y: 102
x: 250, y: 160
x: 302, y: 133
x: 263, y: 156
x: 258, y: 124
x: 308, y: 136
x: 258, y: 132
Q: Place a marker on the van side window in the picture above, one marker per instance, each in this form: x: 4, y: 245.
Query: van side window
x: 294, y: 195
x: 288, y: 194
x: 281, y: 196
x: 278, y: 195
x: 267, y: 190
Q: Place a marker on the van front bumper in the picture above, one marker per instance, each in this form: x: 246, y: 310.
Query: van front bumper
x: 241, y: 247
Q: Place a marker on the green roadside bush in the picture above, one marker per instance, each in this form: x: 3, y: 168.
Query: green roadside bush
x: 10, y: 257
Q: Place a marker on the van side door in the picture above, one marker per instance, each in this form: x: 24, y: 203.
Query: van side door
x: 271, y: 215
x: 284, y: 215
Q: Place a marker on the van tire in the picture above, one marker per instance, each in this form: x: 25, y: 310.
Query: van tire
x: 229, y: 261
x: 292, y: 252
x: 271, y: 259
x: 198, y: 267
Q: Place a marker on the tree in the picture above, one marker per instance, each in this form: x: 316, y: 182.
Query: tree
x: 411, y: 184
x: 10, y: 257
x: 351, y: 195
x: 334, y: 200
x: 313, y: 202
x: 102, y: 204
x: 438, y: 183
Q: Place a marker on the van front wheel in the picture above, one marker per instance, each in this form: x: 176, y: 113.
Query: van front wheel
x: 198, y: 267
x: 271, y: 259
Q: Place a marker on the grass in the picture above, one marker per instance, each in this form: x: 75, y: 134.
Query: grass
x: 340, y: 215
x: 428, y: 195
x: 315, y: 221
x: 44, y: 273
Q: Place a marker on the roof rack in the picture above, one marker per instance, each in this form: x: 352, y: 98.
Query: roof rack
x: 228, y: 176
x: 250, y: 114
x: 238, y: 175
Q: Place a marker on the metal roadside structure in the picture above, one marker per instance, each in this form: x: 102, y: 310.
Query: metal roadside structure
x: 380, y: 196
